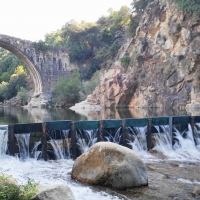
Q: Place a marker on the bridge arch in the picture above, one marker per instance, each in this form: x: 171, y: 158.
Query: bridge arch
x: 37, y: 81
x: 45, y: 67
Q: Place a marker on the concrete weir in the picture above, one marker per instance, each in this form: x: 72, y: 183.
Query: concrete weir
x: 75, y: 137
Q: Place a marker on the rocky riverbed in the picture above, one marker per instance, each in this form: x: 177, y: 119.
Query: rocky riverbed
x: 167, y: 180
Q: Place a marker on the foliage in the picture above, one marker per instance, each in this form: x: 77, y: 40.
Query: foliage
x: 66, y: 91
x: 23, y: 96
x: 54, y: 38
x: 125, y: 60
x: 41, y: 46
x: 10, y: 191
x: 189, y: 6
x: 139, y: 6
x: 89, y: 86
x: 17, y: 80
x: 92, y: 43
x: 20, y: 70
x: 8, y: 63
x: 134, y: 23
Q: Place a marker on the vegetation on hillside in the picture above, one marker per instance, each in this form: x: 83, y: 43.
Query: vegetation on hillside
x: 13, y: 77
x: 190, y: 7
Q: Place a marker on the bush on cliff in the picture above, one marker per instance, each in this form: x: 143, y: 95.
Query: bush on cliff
x: 189, y: 6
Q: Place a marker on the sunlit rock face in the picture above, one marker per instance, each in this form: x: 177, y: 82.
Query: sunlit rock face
x: 110, y: 164
x: 165, y: 63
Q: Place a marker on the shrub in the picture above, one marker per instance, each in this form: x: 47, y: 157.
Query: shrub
x: 22, y: 95
x: 41, y: 46
x: 125, y: 60
x: 10, y: 191
x: 66, y: 91
x: 189, y: 6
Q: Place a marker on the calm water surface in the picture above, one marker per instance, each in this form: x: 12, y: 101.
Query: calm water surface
x: 12, y: 115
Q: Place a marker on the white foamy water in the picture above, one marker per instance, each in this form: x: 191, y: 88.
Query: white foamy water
x: 50, y: 173
x: 58, y: 172
x: 188, y: 181
x: 3, y: 140
x: 138, y: 143
x: 184, y: 147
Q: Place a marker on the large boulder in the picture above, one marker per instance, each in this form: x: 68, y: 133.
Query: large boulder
x: 110, y: 164
x: 54, y: 192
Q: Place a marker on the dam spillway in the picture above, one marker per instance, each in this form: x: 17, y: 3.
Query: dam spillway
x: 68, y: 139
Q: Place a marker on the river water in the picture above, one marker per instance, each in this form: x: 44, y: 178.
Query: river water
x: 12, y: 115
x: 173, y: 171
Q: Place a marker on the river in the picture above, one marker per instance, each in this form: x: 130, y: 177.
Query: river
x: 173, y: 172
x: 12, y: 115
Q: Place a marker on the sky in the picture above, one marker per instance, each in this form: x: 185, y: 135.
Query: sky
x: 32, y: 19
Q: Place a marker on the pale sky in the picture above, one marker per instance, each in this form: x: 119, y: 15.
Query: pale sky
x: 32, y: 19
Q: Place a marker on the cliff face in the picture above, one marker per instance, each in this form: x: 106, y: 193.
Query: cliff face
x: 165, y: 63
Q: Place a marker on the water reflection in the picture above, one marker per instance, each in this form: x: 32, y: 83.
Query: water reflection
x: 9, y: 115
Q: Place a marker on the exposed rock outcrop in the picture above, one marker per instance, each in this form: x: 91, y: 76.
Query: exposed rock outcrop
x: 110, y: 164
x: 165, y: 63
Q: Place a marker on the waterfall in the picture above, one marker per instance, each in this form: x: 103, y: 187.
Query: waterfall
x: 23, y: 141
x: 116, y: 138
x: 60, y: 144
x: 137, y: 138
x: 3, y: 140
x: 197, y: 134
x: 35, y: 153
x: 180, y: 147
x: 163, y: 142
x: 85, y: 139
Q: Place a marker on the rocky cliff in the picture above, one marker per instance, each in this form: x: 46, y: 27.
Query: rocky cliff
x: 164, y: 70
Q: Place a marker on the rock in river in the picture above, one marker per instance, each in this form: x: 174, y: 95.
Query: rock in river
x: 110, y: 164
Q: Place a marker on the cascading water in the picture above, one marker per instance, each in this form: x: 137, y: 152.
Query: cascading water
x: 3, y: 140
x: 116, y: 138
x: 85, y: 139
x: 180, y: 147
x: 197, y: 135
x: 35, y: 153
x: 61, y: 146
x: 23, y: 141
x: 136, y: 138
x: 163, y: 140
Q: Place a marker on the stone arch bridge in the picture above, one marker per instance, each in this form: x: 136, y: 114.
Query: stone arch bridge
x: 45, y: 67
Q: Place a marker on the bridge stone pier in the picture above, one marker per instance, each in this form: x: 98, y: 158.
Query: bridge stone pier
x: 45, y: 67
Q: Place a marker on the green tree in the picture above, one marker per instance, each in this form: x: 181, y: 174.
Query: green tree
x: 189, y: 6
x: 139, y: 6
x: 3, y: 90
x: 66, y: 91
x: 23, y: 96
x: 5, y: 77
